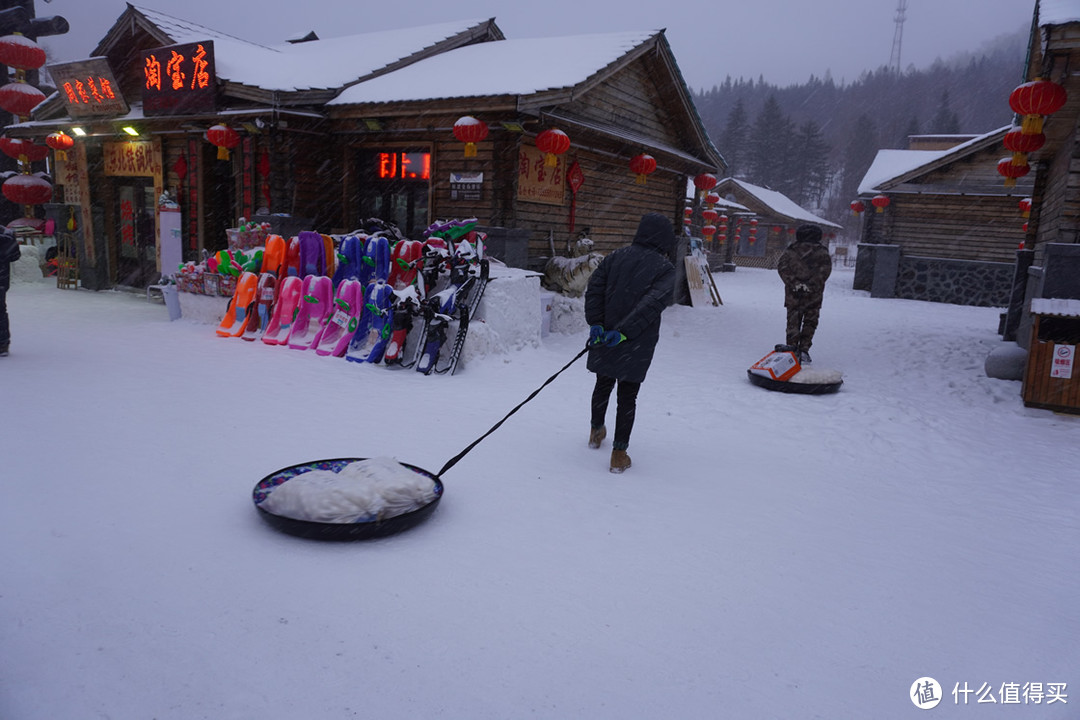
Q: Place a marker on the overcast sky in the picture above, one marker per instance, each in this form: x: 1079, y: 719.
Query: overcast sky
x: 785, y: 41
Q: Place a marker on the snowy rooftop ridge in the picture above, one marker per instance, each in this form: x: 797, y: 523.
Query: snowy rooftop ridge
x: 891, y: 164
x: 782, y: 204
x: 503, y: 67
x: 327, y: 63
x: 1058, y: 12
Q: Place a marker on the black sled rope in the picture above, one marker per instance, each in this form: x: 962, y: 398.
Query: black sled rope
x: 453, y: 461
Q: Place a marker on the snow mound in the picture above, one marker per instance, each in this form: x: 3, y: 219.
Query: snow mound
x: 812, y: 376
x: 363, y: 491
x: 28, y: 267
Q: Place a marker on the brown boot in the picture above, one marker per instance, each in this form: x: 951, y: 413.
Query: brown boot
x: 619, y: 461
x: 596, y: 436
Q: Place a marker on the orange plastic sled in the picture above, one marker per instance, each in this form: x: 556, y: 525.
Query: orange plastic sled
x: 243, y: 302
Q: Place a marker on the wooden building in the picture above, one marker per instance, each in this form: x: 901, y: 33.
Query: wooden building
x: 325, y: 136
x: 773, y: 218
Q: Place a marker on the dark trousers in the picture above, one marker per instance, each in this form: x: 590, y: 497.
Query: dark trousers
x: 625, y: 407
x: 801, y: 324
x: 5, y: 330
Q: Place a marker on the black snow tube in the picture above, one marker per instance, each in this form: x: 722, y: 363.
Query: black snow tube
x: 793, y: 386
x: 339, y: 531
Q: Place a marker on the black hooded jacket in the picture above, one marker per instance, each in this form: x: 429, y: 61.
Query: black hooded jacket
x: 9, y: 253
x: 627, y: 292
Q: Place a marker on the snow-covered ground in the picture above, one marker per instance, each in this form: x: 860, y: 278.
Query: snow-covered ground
x: 767, y: 555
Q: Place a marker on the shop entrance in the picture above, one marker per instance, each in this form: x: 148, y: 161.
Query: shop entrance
x: 394, y: 187
x: 136, y: 254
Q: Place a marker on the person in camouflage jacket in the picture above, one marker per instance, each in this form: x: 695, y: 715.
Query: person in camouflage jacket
x: 804, y: 267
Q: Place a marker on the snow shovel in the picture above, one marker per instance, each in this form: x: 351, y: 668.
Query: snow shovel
x: 380, y: 526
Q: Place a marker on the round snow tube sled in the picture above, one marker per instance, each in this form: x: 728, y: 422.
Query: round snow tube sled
x: 360, y: 530
x: 781, y: 371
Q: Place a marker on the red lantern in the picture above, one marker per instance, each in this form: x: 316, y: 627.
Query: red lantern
x: 776, y: 229
x: 1017, y: 141
x: 1036, y: 99
x: 21, y: 53
x: 1024, y: 227
x: 791, y: 231
x: 27, y: 190
x: 641, y: 166
x: 552, y: 142
x: 723, y: 219
x: 224, y: 137
x: 721, y: 238
x: 18, y: 148
x: 470, y: 131
x: 18, y: 98
x: 712, y: 198
x: 880, y: 202
x: 1025, y: 207
x: 687, y: 211
x: 61, y: 142
x: 705, y: 182
x: 1010, y: 170
x: 857, y: 206
x: 710, y: 215
x: 708, y: 230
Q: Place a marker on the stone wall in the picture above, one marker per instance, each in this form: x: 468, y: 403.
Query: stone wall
x: 886, y: 272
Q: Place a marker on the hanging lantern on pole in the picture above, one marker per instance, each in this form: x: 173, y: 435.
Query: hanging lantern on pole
x: 1025, y: 207
x: 857, y: 207
x: 225, y: 138
x: 642, y: 166
x: 61, y: 142
x: 552, y: 142
x: 23, y: 150
x: 1034, y: 100
x: 880, y: 202
x: 704, y: 183
x: 19, y: 98
x: 710, y: 215
x: 470, y: 131
x: 1010, y: 170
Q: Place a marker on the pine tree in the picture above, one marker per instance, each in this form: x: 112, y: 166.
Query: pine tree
x: 945, y: 122
x: 770, y: 147
x: 810, y: 165
x: 858, y: 156
x: 734, y: 140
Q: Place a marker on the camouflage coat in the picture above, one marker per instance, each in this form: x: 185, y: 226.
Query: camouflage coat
x: 805, y: 264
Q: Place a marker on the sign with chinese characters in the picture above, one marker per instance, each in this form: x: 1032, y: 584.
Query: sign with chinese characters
x: 402, y: 165
x: 1062, y: 366
x: 538, y: 182
x: 466, y: 185
x: 131, y: 159
x: 89, y: 89
x: 179, y: 79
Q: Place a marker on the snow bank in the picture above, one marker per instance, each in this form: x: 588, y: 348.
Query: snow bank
x: 27, y: 268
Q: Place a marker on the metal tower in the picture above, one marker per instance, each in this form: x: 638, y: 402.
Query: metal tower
x: 898, y: 36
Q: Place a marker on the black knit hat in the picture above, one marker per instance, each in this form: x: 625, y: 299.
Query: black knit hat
x: 811, y: 233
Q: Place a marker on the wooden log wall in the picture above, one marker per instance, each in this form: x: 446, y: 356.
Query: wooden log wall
x: 955, y: 226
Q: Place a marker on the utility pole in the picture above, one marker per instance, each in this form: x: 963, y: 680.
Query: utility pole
x: 898, y: 36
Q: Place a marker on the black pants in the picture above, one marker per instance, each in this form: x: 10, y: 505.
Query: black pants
x: 625, y: 409
x: 5, y: 330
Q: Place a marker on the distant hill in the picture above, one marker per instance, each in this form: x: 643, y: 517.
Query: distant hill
x: 814, y: 141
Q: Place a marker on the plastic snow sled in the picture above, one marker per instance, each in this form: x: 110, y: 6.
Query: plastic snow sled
x: 339, y: 531
x: 781, y: 371
x: 316, y: 304
x: 285, y: 307
x: 337, y: 332
x: 243, y: 302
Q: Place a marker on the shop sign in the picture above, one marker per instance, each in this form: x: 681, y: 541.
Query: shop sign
x: 131, y: 159
x: 1062, y: 366
x: 538, y: 182
x: 89, y: 89
x: 179, y: 79
x: 466, y: 185
x: 402, y: 165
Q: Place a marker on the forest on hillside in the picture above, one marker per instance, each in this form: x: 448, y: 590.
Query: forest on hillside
x: 814, y: 142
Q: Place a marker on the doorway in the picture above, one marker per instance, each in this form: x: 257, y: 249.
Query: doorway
x: 394, y: 187
x: 136, y: 232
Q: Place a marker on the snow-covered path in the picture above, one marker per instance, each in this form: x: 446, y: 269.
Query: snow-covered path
x: 767, y: 556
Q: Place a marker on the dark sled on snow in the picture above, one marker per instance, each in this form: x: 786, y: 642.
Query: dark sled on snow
x: 791, y: 386
x: 339, y: 531
x: 781, y: 371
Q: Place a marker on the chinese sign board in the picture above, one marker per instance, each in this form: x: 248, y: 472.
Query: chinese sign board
x: 538, y: 182
x: 131, y: 159
x: 89, y: 89
x: 179, y: 79
x: 466, y: 185
x: 1062, y: 366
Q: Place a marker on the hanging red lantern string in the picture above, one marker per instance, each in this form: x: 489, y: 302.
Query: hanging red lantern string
x: 470, y: 131
x: 19, y: 98
x: 708, y: 231
x: 642, y: 166
x: 880, y: 202
x: 552, y: 142
x: 1034, y: 100
x: 23, y: 150
x: 710, y: 215
x: 21, y: 53
x: 857, y: 207
x: 61, y: 142
x: 225, y: 138
x: 1025, y: 207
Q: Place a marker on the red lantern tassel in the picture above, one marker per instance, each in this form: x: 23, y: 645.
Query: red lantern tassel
x: 222, y: 152
x: 470, y: 150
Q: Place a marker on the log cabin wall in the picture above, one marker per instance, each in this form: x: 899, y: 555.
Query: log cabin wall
x: 956, y: 227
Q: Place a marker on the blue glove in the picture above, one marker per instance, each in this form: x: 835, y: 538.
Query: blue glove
x: 611, y: 338
x: 595, y: 332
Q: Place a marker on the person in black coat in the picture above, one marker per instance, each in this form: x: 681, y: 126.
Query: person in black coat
x: 9, y: 253
x: 804, y: 267
x: 623, y: 301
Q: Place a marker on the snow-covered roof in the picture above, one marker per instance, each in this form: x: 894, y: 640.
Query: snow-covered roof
x: 503, y: 67
x: 325, y: 63
x: 1058, y: 12
x: 891, y: 164
x: 780, y: 203
x: 1062, y: 307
